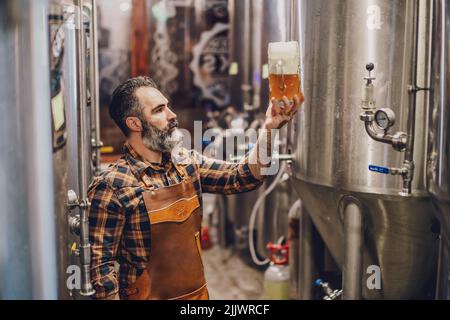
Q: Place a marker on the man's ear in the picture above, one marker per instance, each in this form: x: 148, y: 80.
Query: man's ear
x: 134, y: 124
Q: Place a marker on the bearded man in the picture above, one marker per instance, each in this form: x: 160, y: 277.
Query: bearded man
x: 145, y: 213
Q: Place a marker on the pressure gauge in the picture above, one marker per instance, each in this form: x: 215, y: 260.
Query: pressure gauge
x: 385, y: 118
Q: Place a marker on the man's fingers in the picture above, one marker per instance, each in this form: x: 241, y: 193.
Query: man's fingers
x: 275, y: 108
x: 296, y: 106
x: 287, y: 106
x: 296, y: 100
x: 295, y: 109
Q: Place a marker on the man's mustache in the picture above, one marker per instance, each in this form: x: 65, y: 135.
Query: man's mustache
x: 172, y: 124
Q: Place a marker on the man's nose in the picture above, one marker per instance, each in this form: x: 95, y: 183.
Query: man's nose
x: 171, y: 115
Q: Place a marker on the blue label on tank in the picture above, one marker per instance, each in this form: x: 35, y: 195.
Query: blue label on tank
x: 378, y: 169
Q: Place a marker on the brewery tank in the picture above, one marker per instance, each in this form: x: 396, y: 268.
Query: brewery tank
x: 253, y: 24
x: 28, y: 249
x: 43, y: 135
x: 332, y: 151
x: 270, y: 23
x: 438, y: 173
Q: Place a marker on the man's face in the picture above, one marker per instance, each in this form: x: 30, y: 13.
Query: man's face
x: 159, y: 123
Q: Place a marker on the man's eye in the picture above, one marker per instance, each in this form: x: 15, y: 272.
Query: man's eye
x: 158, y: 110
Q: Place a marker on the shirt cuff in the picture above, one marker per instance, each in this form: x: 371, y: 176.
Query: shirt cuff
x: 106, y: 287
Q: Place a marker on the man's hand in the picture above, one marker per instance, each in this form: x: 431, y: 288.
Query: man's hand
x: 277, y: 117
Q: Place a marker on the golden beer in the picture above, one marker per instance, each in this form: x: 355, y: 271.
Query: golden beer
x: 284, y: 85
x: 284, y: 70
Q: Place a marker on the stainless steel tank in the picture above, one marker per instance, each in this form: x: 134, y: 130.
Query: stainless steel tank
x: 332, y: 150
x: 238, y: 207
x: 253, y: 24
x: 271, y: 20
x: 271, y: 23
x: 28, y: 242
x: 74, y: 154
x: 240, y: 50
x: 48, y: 143
x: 438, y: 173
x: 60, y: 56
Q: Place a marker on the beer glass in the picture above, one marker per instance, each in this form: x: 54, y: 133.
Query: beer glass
x: 284, y: 71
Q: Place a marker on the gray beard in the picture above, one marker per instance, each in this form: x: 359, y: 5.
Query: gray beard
x: 157, y: 140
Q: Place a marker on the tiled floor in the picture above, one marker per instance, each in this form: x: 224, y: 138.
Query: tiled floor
x: 229, y: 278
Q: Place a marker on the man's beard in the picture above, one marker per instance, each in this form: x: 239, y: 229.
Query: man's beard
x: 161, y: 140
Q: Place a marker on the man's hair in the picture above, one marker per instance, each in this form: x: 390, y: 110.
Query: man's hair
x: 124, y: 102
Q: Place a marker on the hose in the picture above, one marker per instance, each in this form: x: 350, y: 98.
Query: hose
x: 254, y: 214
x: 293, y: 211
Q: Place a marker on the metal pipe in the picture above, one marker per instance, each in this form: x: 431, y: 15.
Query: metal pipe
x: 94, y: 90
x: 246, y: 85
x: 276, y: 157
x: 412, y: 90
x: 353, y: 250
x: 293, y: 21
x: 293, y: 240
x: 307, y: 249
x: 377, y: 136
x: 397, y: 141
x: 256, y: 57
x: 85, y: 249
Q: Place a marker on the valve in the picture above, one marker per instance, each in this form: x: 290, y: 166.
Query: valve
x: 279, y: 253
x: 72, y: 199
x: 368, y: 101
x: 377, y: 124
x: 378, y: 169
x: 75, y: 225
x: 330, y: 294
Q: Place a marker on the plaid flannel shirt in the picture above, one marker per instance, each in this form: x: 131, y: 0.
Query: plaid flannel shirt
x: 119, y: 227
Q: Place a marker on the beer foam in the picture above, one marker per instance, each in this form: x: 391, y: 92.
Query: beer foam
x: 288, y: 53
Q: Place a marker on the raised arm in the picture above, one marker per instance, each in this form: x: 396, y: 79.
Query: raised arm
x: 229, y: 178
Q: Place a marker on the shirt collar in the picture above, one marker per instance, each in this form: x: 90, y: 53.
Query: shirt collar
x: 139, y: 166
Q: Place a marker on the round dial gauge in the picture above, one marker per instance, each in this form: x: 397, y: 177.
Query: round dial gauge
x: 384, y: 118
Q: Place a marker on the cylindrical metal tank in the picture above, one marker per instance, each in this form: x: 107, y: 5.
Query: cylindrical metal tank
x: 68, y: 160
x: 332, y: 150
x: 39, y: 90
x: 238, y: 207
x: 270, y: 23
x: 28, y: 242
x: 240, y: 50
x: 255, y: 23
x: 438, y: 173
x: 60, y: 54
x: 66, y: 155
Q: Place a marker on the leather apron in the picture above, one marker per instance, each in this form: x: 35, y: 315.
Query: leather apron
x: 175, y: 268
